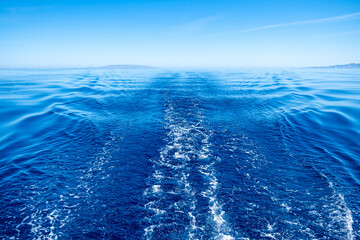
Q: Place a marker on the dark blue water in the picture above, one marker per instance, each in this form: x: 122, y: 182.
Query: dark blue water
x: 179, y: 154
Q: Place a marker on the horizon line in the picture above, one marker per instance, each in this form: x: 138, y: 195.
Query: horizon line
x: 149, y: 67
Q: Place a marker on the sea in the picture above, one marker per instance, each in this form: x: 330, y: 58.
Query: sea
x: 180, y: 154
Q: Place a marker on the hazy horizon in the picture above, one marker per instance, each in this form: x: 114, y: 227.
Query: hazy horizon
x: 138, y: 66
x: 235, y: 134
x: 76, y: 34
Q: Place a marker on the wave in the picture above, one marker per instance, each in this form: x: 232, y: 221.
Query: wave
x: 173, y: 198
x: 179, y: 154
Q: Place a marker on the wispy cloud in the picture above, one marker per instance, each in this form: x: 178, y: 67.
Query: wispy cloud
x: 199, y: 24
x: 351, y: 16
x: 27, y: 9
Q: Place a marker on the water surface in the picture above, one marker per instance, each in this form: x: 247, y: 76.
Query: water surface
x: 180, y: 154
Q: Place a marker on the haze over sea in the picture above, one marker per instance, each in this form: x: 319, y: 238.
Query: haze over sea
x: 180, y: 154
x: 211, y: 120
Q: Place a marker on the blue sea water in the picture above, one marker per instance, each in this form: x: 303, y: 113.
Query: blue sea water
x: 180, y: 154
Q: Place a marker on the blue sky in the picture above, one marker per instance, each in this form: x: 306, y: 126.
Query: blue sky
x: 80, y: 33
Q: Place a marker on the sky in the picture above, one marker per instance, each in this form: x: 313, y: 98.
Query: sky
x: 196, y: 33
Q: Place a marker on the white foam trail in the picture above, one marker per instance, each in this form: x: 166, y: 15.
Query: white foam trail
x: 172, y: 164
x: 48, y: 218
x: 185, y: 139
x: 341, y: 213
x: 217, y: 213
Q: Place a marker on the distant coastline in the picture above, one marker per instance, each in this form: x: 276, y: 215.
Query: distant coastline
x: 344, y: 66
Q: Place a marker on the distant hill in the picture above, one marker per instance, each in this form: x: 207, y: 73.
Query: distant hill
x: 345, y: 66
x: 126, y: 67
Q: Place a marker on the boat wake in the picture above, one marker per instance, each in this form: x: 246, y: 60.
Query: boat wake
x: 182, y: 196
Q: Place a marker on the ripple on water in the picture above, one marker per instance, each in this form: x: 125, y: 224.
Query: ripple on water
x: 170, y: 154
